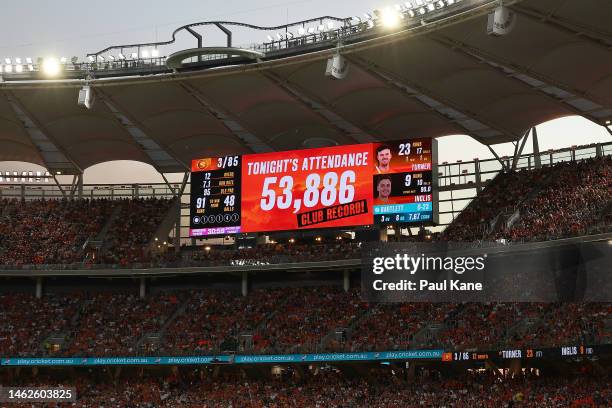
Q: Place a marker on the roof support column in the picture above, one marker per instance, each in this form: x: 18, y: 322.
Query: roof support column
x: 177, y: 225
x: 80, y: 186
x: 477, y: 176
x: 245, y: 283
x: 503, y: 164
x: 519, y: 151
x: 536, y: 149
x: 39, y: 287
x: 59, y: 186
x: 609, y: 129
x: 142, y: 292
x: 346, y: 280
x: 174, y: 192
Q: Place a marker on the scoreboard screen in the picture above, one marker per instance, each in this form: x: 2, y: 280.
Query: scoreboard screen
x: 339, y: 186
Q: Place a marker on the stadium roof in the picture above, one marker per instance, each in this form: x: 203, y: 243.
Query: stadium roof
x: 440, y: 78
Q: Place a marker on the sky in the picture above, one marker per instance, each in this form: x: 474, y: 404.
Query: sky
x: 41, y: 28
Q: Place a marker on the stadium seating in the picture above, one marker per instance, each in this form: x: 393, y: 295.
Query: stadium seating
x: 310, y: 319
x: 565, y: 200
x: 330, y: 388
x: 48, y: 231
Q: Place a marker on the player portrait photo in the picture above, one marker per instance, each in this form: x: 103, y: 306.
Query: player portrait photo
x: 383, y: 159
x: 384, y: 186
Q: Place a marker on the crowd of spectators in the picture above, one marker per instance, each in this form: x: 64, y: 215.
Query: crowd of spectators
x: 308, y: 315
x: 112, y: 323
x: 282, y: 320
x: 48, y: 231
x: 393, y: 326
x: 55, y: 232
x: 132, y: 230
x: 564, y: 200
x: 571, y: 203
x: 505, y: 191
x: 214, y: 320
x: 330, y: 388
x: 26, y: 322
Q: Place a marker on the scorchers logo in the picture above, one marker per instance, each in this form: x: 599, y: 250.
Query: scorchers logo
x: 203, y: 164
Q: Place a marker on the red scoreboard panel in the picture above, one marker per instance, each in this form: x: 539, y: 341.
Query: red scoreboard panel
x: 337, y: 186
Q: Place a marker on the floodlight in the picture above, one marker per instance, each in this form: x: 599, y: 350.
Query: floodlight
x: 28, y: 60
x: 30, y: 67
x: 279, y: 36
x: 270, y: 38
x: 101, y: 57
x: 121, y: 56
x: 91, y: 58
x: 111, y: 57
x: 17, y: 60
x: 18, y: 68
x: 450, y: 2
x: 431, y: 7
x: 389, y: 18
x: 7, y: 61
x: 8, y: 68
x: 330, y: 25
x: 419, y: 3
x: 134, y: 55
x: 301, y: 31
x: 408, y: 5
x: 422, y: 10
x: 311, y: 30
x: 51, y: 66
x: 63, y: 60
x: 370, y: 23
x: 144, y: 53
x: 290, y: 35
x: 440, y: 4
x: 411, y: 13
x: 358, y: 20
x: 155, y: 53
x: 321, y: 28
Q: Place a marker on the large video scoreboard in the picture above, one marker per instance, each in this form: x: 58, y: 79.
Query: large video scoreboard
x: 339, y: 186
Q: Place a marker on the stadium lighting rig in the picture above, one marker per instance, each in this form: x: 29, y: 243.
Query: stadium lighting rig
x: 307, y: 32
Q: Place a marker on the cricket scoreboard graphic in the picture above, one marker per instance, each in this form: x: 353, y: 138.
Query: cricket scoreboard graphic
x: 340, y: 186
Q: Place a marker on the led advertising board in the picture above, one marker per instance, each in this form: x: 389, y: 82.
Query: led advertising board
x: 338, y: 186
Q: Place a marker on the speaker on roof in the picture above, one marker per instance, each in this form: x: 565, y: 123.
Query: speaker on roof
x: 501, y: 21
x: 337, y: 67
x: 86, y: 97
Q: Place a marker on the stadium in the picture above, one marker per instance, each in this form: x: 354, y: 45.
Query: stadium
x: 307, y: 246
